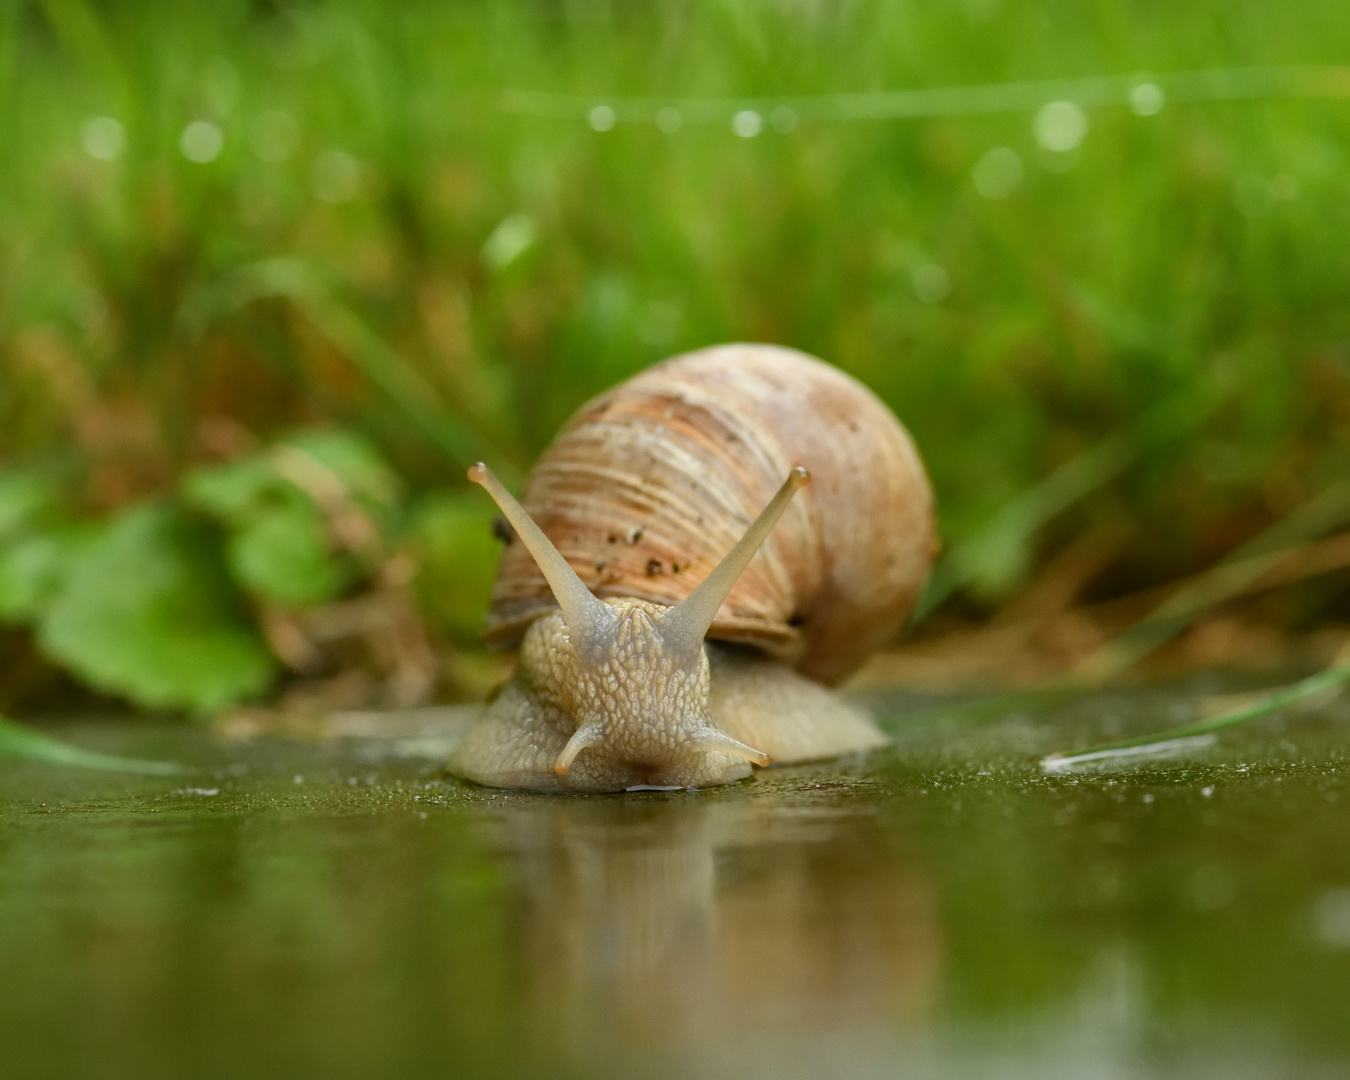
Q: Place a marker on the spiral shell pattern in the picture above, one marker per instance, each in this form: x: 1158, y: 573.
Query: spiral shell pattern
x: 648, y: 485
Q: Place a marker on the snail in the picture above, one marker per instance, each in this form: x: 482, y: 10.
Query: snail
x: 680, y: 615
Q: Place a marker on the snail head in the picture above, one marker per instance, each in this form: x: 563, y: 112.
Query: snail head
x: 631, y: 675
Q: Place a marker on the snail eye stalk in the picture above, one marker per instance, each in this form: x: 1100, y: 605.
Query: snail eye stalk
x: 685, y: 625
x: 588, y: 618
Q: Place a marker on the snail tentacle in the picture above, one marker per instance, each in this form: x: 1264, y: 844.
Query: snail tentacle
x: 709, y: 739
x: 685, y: 625
x: 586, y: 735
x: 588, y: 618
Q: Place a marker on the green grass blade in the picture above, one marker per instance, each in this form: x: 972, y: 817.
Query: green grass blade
x: 1073, y: 481
x: 402, y: 384
x: 1201, y: 732
x: 19, y: 741
x: 392, y: 375
x: 1103, y: 91
x: 1026, y: 514
x: 1321, y: 514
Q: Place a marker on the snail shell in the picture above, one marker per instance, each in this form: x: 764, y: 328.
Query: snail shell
x: 648, y: 486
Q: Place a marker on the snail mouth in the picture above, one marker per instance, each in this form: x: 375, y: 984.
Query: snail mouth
x: 706, y: 740
x: 682, y: 775
x: 653, y: 778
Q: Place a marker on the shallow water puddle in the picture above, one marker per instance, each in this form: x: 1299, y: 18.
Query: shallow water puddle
x: 940, y: 909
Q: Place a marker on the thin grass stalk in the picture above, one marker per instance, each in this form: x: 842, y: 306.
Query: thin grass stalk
x: 1230, y: 578
x: 17, y: 740
x: 1186, y: 735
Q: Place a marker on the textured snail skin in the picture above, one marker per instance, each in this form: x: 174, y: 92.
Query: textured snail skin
x: 647, y: 711
x: 641, y: 496
x: 653, y: 715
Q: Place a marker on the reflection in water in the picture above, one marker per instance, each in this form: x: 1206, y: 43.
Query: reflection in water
x: 931, y: 917
x: 693, y: 929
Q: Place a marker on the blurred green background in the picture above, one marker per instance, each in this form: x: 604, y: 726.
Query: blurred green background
x: 274, y: 273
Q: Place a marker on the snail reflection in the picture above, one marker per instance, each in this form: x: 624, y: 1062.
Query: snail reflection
x: 683, y: 926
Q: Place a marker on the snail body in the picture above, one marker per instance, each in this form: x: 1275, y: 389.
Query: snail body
x: 669, y: 634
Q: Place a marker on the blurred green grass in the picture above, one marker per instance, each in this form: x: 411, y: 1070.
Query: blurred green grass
x: 367, y: 238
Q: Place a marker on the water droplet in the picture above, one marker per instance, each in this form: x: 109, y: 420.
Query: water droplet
x: 512, y: 237
x: 602, y: 118
x: 1060, y: 126
x: 1147, y: 99
x: 932, y: 284
x: 747, y: 123
x: 103, y: 138
x: 336, y: 176
x: 201, y: 141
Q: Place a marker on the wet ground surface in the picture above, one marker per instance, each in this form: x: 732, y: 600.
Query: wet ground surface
x: 942, y: 909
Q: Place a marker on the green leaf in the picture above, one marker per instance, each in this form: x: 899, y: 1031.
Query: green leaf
x: 233, y: 491
x: 150, y: 613
x: 453, y: 532
x: 25, y: 496
x: 33, y: 569
x: 282, y: 555
x: 38, y: 542
x: 354, y: 460
x: 279, y: 547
